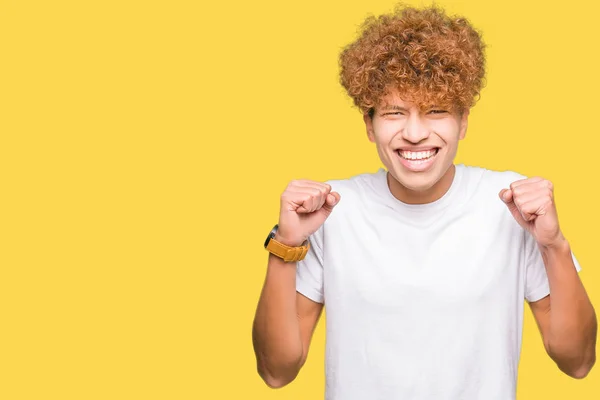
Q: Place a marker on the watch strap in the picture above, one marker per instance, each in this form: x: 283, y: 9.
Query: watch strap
x: 287, y: 253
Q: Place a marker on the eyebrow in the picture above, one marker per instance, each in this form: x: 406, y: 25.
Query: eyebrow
x: 393, y: 107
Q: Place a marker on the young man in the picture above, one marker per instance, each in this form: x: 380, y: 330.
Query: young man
x: 424, y: 266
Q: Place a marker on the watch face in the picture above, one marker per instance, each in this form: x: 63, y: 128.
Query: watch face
x: 271, y: 235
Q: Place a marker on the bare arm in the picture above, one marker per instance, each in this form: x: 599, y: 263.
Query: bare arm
x: 566, y: 317
x: 285, y: 320
x: 283, y: 326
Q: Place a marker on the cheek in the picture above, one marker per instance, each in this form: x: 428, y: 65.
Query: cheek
x: 385, y: 132
x: 447, y: 130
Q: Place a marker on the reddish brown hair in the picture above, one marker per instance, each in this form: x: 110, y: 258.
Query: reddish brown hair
x: 430, y: 58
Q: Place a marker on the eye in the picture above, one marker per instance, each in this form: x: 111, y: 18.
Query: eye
x: 392, y: 113
x: 437, y: 111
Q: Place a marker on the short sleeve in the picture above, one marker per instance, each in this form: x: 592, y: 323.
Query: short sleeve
x: 536, y: 280
x: 309, y: 274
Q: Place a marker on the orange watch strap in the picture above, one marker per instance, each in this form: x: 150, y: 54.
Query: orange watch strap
x: 289, y: 254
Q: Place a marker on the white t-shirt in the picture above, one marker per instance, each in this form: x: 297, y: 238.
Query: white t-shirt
x: 423, y: 302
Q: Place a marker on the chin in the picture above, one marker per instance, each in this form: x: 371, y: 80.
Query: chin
x: 418, y: 183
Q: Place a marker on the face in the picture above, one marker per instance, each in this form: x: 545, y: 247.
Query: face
x: 417, y: 147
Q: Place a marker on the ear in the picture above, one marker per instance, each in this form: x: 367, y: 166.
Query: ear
x: 464, y: 123
x: 369, y: 126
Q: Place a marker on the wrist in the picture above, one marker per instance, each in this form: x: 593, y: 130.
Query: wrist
x: 558, y: 246
x: 291, y: 242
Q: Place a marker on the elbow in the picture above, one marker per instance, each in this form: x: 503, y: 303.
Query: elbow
x: 577, y: 369
x: 279, y: 373
x: 575, y: 358
x: 276, y: 381
x: 583, y: 370
x: 278, y: 367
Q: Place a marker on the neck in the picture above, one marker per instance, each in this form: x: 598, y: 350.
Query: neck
x: 430, y: 195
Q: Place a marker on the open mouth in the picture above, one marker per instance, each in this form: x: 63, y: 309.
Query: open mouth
x: 418, y: 157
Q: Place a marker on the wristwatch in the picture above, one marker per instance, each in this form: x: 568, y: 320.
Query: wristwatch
x: 287, y: 253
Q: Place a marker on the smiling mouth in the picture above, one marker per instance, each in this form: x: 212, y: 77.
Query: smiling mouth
x: 418, y: 157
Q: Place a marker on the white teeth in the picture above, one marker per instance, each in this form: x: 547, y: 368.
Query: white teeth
x: 416, y: 155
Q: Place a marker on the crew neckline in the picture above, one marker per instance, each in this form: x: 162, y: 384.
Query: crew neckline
x: 436, y: 205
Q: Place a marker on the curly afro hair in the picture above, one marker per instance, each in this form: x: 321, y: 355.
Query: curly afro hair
x: 429, y: 58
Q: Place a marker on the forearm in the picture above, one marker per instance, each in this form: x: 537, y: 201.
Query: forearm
x: 276, y: 330
x: 573, y: 327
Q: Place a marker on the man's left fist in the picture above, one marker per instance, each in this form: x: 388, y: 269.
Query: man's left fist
x: 531, y: 202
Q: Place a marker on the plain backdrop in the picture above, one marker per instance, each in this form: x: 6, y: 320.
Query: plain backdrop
x: 143, y: 149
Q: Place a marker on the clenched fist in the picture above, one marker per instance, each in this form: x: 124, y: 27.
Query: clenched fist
x: 305, y: 205
x: 531, y: 202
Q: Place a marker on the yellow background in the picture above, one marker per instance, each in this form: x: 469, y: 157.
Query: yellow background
x: 144, y: 146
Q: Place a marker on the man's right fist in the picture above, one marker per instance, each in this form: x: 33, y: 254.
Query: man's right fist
x: 305, y: 205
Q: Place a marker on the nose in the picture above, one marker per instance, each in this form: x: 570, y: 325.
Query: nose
x: 415, y: 130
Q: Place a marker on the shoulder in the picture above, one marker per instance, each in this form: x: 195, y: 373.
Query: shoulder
x: 358, y: 194
x: 482, y: 187
x: 490, y: 178
x: 357, y: 185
